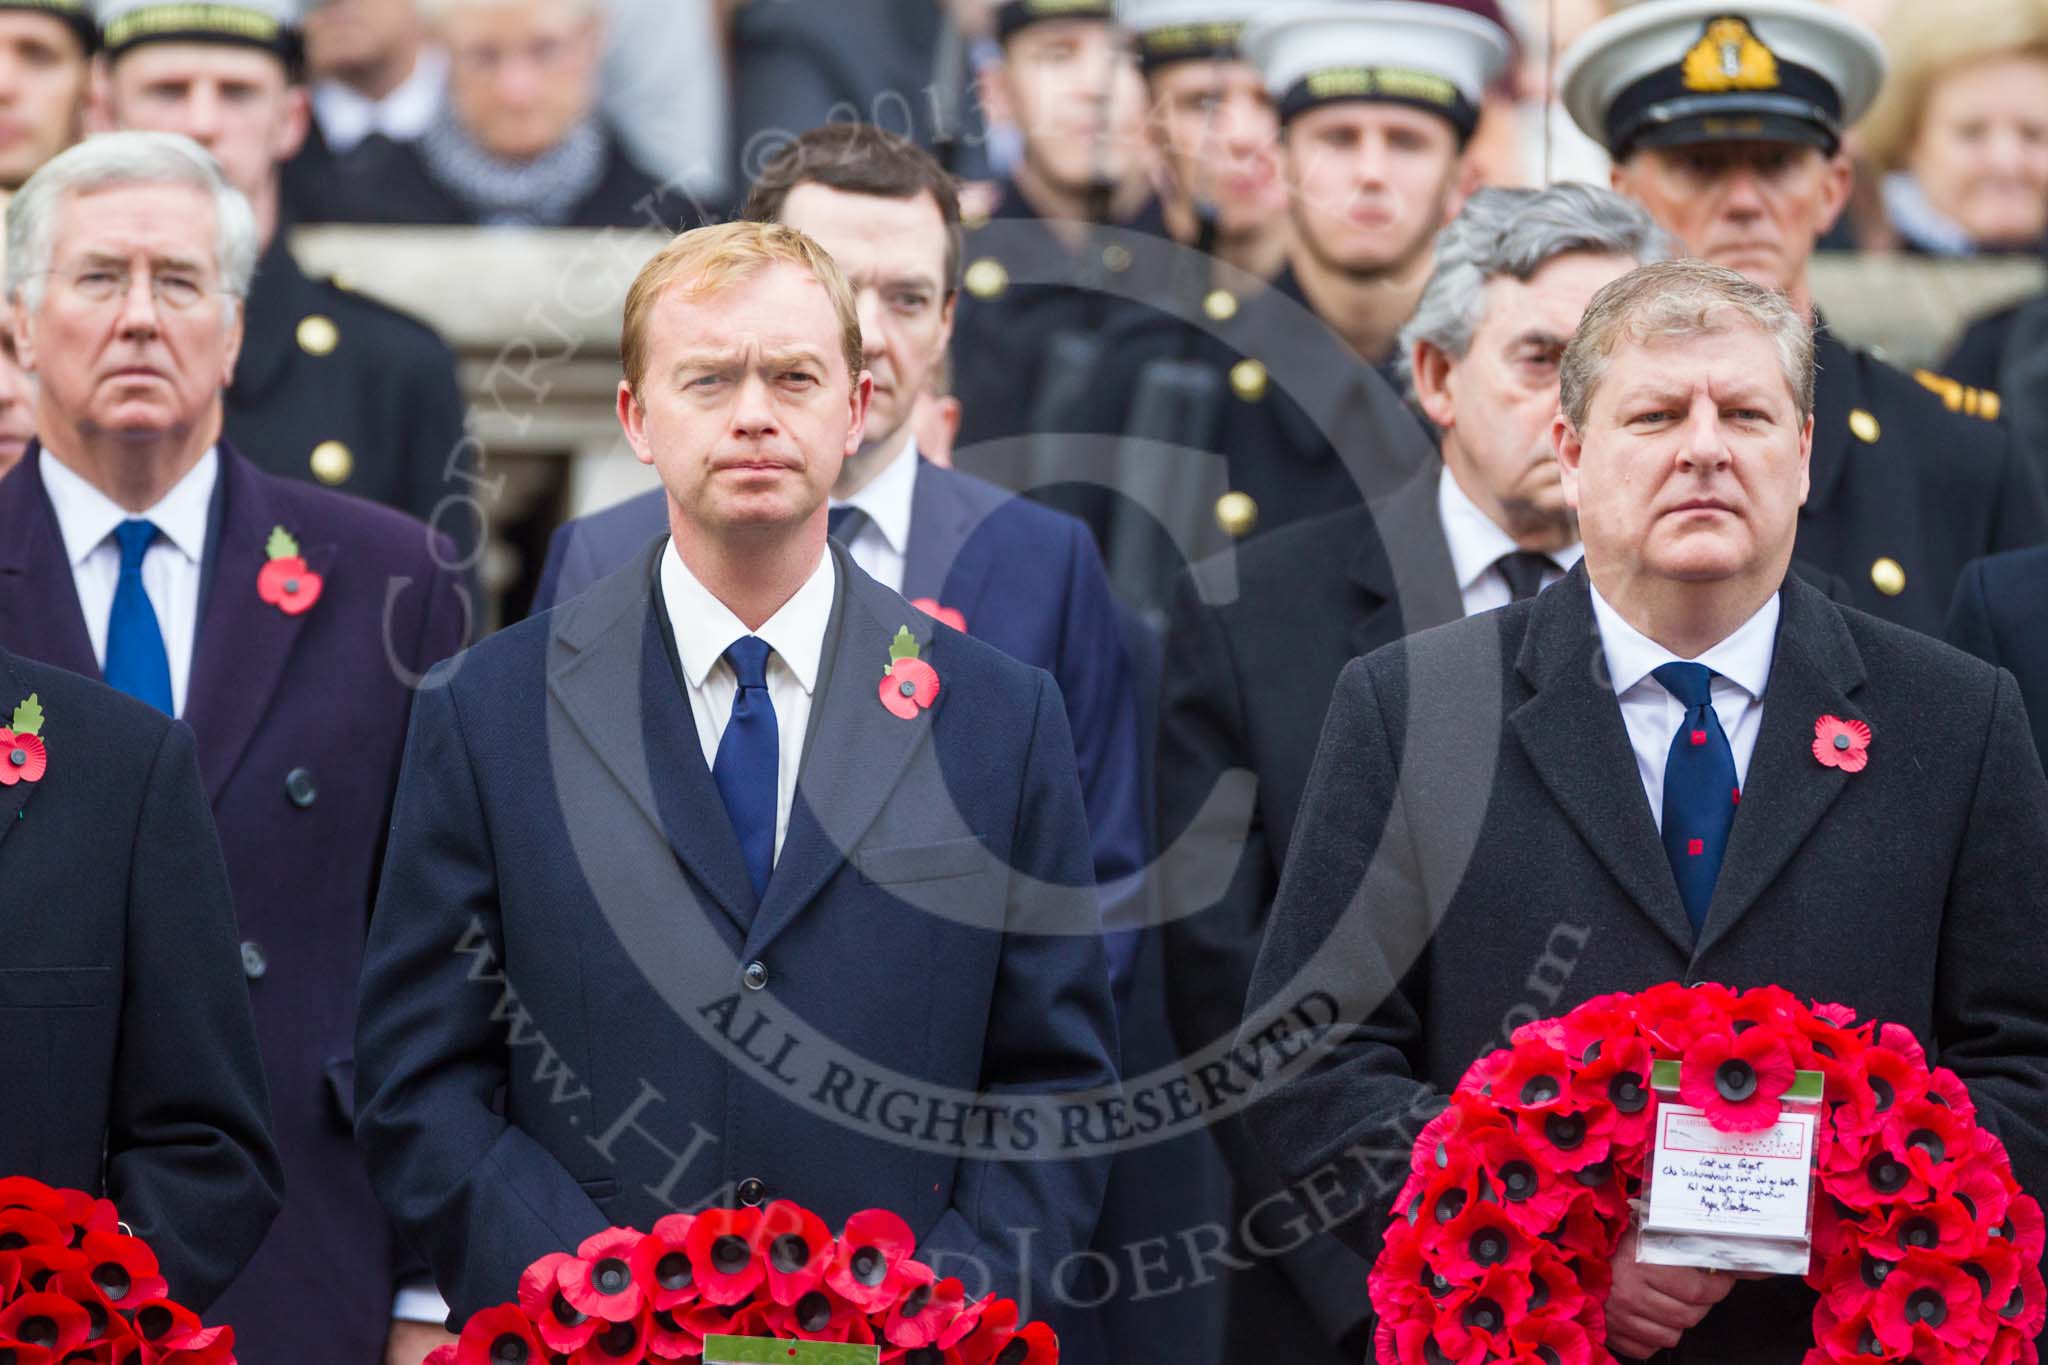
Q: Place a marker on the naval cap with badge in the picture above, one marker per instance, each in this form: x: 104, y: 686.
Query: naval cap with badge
x: 1674, y: 73
x: 1433, y: 57
x: 76, y: 14
x: 1014, y: 16
x: 1169, y: 31
x: 271, y: 25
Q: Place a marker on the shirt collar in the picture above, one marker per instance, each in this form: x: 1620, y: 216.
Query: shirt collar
x: 1476, y: 541
x: 1744, y: 658
x: 347, y: 116
x: 705, y: 627
x: 888, y: 496
x: 86, y: 516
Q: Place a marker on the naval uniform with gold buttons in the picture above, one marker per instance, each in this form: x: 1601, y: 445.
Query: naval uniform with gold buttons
x: 340, y: 390
x: 300, y: 720
x: 1905, y: 491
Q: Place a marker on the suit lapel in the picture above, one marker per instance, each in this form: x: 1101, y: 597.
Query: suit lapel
x: 244, y: 643
x: 941, y: 521
x: 609, y: 671
x: 1572, y: 731
x: 855, y: 751
x: 39, y: 613
x: 1814, y: 668
x: 1404, y: 571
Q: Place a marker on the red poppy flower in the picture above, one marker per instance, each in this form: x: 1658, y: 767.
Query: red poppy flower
x: 616, y: 1343
x: 661, y: 1263
x: 798, y: 1247
x: 1559, y: 1290
x: 288, y: 585
x: 1977, y: 1185
x: 871, y: 1246
x: 500, y: 1336
x: 1881, y: 1078
x: 670, y: 1335
x: 22, y: 1228
x: 926, y: 1309
x: 1924, y: 1290
x: 1550, y: 1341
x: 1675, y: 1016
x: 2025, y: 1230
x: 930, y: 607
x: 1569, y: 1136
x: 1523, y: 1179
x: 22, y: 758
x: 599, y: 1281
x: 1843, y: 744
x: 48, y: 1322
x: 1477, y: 1240
x: 163, y: 1325
x: 23, y: 1192
x: 818, y: 1315
x: 1619, y: 1077
x: 2026, y: 1308
x: 440, y: 1355
x: 1533, y: 1080
x: 123, y: 1269
x: 981, y: 1329
x: 1927, y: 1136
x: 1484, y: 1310
x: 1945, y: 1087
x: 1737, y: 1079
x: 1596, y: 1026
x: 725, y: 1254
x: 208, y: 1346
x: 910, y: 686
x: 562, y: 1325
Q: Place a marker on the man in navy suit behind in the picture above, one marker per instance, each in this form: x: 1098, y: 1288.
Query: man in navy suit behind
x: 1003, y: 569
x: 736, y: 862
x: 283, y: 622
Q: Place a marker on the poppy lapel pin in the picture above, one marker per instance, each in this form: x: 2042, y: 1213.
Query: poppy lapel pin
x: 285, y: 582
x: 909, y: 684
x: 1843, y: 744
x: 23, y: 758
x: 946, y: 615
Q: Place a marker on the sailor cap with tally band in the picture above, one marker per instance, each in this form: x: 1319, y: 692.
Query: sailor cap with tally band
x: 1428, y: 56
x: 1013, y: 15
x: 1169, y: 31
x: 77, y: 14
x: 272, y: 25
x: 1671, y: 73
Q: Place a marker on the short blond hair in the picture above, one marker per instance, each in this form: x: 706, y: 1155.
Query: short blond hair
x: 709, y: 260
x: 1676, y: 301
x: 1924, y: 42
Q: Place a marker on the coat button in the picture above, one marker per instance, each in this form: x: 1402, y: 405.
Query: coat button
x: 318, y: 335
x: 332, y: 462
x: 1863, y: 426
x: 1248, y: 380
x: 1888, y: 576
x: 1220, y: 305
x: 1236, y: 513
x: 986, y: 278
x: 756, y: 976
x: 254, y: 963
x: 751, y: 1191
x: 298, y: 785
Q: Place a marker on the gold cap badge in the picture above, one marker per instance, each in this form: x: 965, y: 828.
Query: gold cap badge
x: 1729, y: 57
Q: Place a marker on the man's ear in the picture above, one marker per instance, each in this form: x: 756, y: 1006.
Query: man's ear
x: 1565, y: 441
x: 99, y: 97
x: 857, y: 406
x: 1838, y: 183
x: 295, y: 125
x: 633, y: 421
x: 1432, y: 370
x: 23, y: 327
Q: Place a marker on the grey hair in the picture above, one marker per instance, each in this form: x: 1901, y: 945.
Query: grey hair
x: 1674, y: 301
x: 1517, y: 233
x: 107, y: 161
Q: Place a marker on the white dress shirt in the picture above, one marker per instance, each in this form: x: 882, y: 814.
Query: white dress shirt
x: 1477, y: 542
x: 86, y: 518
x: 1741, y: 663
x: 705, y: 628
x: 884, y: 542
x: 347, y: 115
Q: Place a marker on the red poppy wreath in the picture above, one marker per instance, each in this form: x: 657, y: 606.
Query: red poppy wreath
x: 1924, y: 1248
x: 74, y: 1286
x: 626, y: 1297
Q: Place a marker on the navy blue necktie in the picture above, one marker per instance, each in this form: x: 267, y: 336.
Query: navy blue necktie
x: 844, y: 524
x: 137, y: 662
x: 747, y: 766
x: 1700, y: 792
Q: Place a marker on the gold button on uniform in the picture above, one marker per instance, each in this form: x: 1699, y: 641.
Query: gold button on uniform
x: 986, y: 278
x: 1864, y: 427
x: 1248, y: 380
x: 1236, y: 513
x: 1888, y: 576
x: 1116, y: 258
x: 318, y: 335
x: 332, y: 463
x: 1221, y: 305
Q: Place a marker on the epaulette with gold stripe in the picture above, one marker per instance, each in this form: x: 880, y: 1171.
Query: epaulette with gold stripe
x: 1960, y: 397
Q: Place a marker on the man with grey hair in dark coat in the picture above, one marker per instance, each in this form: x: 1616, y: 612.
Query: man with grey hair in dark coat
x: 1617, y: 784
x: 1486, y: 526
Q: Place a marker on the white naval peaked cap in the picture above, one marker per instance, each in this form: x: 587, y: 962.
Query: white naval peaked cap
x: 1431, y: 56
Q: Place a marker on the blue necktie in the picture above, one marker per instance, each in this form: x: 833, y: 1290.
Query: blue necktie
x: 1700, y: 793
x: 844, y: 524
x: 746, y: 768
x: 136, y: 660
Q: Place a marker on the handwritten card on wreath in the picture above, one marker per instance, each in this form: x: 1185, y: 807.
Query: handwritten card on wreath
x: 1737, y: 1184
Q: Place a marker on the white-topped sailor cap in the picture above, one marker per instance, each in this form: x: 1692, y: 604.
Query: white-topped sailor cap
x: 1668, y: 73
x: 272, y: 25
x: 1014, y: 15
x: 1169, y: 31
x: 1429, y: 56
x: 77, y: 14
